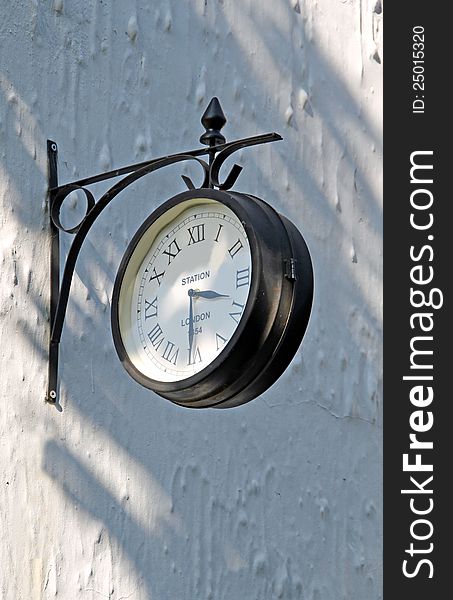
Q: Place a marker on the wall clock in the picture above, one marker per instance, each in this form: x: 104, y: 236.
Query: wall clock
x: 212, y: 298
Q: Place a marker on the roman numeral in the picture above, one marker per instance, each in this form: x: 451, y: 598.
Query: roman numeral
x: 220, y: 341
x: 150, y: 308
x: 157, y: 276
x: 242, y: 277
x: 171, y: 353
x: 156, y: 336
x: 216, y: 239
x: 195, y: 357
x: 237, y: 315
x: 196, y: 234
x: 172, y: 251
x: 235, y: 248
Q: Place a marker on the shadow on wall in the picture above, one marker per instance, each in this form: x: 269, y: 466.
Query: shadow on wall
x: 126, y: 535
x: 134, y: 424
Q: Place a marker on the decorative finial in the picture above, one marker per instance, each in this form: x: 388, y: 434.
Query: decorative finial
x: 213, y: 120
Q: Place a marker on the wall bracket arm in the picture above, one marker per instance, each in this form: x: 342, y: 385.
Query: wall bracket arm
x: 59, y: 293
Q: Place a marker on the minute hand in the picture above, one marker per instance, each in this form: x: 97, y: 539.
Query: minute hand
x: 209, y: 294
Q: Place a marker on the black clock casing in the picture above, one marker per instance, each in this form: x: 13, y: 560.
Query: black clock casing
x: 274, y: 319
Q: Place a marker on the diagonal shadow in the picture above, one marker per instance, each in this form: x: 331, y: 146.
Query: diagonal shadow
x: 126, y: 535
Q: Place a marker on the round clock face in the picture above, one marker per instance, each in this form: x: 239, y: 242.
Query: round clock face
x: 184, y: 290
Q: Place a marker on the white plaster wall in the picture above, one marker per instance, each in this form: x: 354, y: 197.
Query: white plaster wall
x: 123, y: 495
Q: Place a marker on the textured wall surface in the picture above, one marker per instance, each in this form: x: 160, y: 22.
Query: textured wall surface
x: 123, y: 495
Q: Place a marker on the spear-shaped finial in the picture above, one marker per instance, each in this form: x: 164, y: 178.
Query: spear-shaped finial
x: 213, y: 120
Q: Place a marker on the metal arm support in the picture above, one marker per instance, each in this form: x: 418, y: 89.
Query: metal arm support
x: 59, y: 294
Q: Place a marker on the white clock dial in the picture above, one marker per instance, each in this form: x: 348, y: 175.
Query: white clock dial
x: 189, y: 291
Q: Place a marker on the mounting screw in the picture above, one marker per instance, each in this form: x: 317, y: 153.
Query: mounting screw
x: 53, y: 147
x: 52, y: 394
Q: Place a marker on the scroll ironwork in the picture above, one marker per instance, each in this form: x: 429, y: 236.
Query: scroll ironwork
x: 213, y: 120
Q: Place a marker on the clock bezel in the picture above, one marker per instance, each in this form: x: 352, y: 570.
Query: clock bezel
x: 133, y: 258
x: 264, y: 323
x: 185, y: 200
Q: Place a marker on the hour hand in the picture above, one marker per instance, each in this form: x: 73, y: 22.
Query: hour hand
x: 209, y: 294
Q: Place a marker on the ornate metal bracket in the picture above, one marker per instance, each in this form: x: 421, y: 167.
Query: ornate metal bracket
x: 218, y: 150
